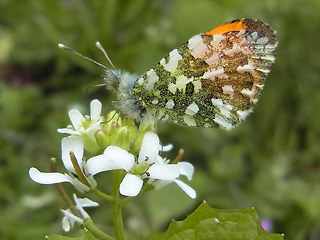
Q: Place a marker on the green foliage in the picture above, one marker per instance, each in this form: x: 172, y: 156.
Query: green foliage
x: 85, y: 236
x: 270, y: 162
x: 215, y: 224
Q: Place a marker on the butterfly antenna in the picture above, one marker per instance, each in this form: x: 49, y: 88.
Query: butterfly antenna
x: 85, y: 57
x: 98, y: 44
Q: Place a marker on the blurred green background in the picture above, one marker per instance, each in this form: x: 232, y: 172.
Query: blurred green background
x: 270, y: 162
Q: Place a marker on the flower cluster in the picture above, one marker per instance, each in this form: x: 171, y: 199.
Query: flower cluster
x: 115, y: 144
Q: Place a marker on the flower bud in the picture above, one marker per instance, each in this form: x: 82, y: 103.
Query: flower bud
x: 102, y: 139
x: 122, y: 139
x: 138, y: 141
x: 89, y: 143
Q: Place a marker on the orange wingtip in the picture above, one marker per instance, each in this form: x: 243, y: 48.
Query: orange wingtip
x: 235, y: 25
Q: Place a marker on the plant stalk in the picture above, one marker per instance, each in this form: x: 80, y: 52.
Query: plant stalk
x: 88, y: 224
x: 116, y: 206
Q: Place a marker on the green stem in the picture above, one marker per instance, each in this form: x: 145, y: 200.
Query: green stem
x: 102, y: 195
x: 88, y: 224
x: 116, y: 207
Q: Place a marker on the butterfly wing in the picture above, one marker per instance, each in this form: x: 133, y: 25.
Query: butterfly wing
x: 214, y: 79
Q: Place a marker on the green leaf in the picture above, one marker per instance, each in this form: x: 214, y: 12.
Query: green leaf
x: 215, y: 224
x: 60, y: 237
x: 85, y: 236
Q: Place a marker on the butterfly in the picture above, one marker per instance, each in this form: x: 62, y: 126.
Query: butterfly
x: 212, y: 80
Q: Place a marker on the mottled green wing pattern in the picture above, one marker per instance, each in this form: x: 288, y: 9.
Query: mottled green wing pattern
x: 213, y: 80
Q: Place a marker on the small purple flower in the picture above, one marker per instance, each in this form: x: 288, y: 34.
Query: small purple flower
x: 266, y: 224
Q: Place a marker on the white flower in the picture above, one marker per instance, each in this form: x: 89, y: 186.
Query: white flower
x: 75, y: 145
x: 148, y: 165
x: 82, y: 124
x: 70, y: 219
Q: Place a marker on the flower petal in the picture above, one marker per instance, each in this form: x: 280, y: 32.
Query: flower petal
x: 160, y: 160
x: 76, y: 118
x: 79, y: 185
x: 164, y: 171
x: 67, y: 223
x: 93, y: 183
x: 166, y: 148
x: 90, y: 131
x: 186, y: 188
x: 79, y: 205
x: 99, y: 164
x: 86, y: 202
x: 68, y: 131
x: 131, y: 185
x: 159, y: 183
x: 149, y: 148
x: 47, y: 178
x: 122, y: 158
x: 53, y: 177
x: 74, y: 144
x: 95, y: 109
x: 69, y: 219
x: 186, y: 169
